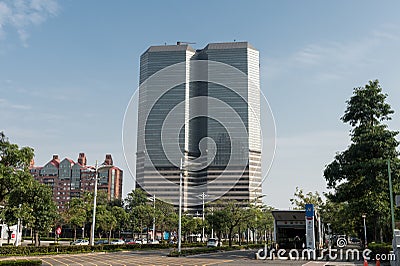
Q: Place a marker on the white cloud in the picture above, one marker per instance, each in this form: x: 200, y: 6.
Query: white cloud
x: 4, y: 104
x: 20, y: 15
x: 331, y: 60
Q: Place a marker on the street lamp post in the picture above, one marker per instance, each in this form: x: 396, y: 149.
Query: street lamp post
x: 203, y: 196
x: 365, y: 231
x: 180, y: 210
x: 153, y: 198
x: 255, y: 202
x: 94, y: 208
x: 2, y: 225
x: 212, y: 225
x: 17, y: 238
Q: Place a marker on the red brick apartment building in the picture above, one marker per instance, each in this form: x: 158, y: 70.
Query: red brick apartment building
x: 68, y: 179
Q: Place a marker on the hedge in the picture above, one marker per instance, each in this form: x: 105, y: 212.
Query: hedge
x: 202, y: 250
x: 380, y: 248
x: 31, y: 250
x: 21, y: 262
x: 28, y: 238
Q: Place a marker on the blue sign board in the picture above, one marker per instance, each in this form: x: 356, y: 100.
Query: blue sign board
x: 309, y: 210
x: 166, y: 235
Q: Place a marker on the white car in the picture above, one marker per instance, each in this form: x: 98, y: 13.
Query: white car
x: 118, y: 242
x: 151, y: 241
x: 212, y: 242
x: 80, y: 242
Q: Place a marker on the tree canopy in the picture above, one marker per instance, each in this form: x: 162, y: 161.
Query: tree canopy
x: 358, y: 177
x: 14, y: 163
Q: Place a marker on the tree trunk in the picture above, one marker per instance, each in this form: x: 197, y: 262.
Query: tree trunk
x: 230, y: 236
x: 109, y: 236
x: 74, y: 232
x: 90, y: 236
x: 36, y: 239
x: 240, y: 236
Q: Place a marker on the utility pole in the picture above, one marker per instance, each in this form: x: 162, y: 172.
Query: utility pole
x: 203, y: 196
x: 153, y: 199
x: 180, y: 210
x: 94, y: 207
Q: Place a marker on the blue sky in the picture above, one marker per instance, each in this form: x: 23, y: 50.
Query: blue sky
x: 68, y: 69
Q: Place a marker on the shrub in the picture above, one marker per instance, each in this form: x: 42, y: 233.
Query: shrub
x: 379, y: 248
x: 21, y: 262
x: 32, y: 250
x: 193, y: 251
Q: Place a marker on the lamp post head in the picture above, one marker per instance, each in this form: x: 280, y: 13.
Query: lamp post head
x: 364, y: 216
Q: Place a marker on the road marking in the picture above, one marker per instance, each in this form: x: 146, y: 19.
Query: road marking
x: 316, y: 263
x: 217, y: 262
x: 59, y: 261
x: 94, y: 257
x: 72, y: 260
x: 44, y: 261
x: 85, y: 261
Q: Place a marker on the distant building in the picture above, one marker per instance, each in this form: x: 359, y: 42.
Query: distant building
x: 69, y: 179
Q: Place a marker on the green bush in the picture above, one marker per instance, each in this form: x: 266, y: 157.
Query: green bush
x: 379, y: 248
x: 198, y: 244
x: 28, y: 238
x: 54, y: 249
x: 21, y: 262
x: 202, y: 250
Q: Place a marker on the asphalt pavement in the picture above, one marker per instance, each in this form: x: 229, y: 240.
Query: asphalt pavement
x: 159, y: 257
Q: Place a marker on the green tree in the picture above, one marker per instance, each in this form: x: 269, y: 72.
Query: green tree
x: 105, y: 220
x: 38, y: 210
x: 14, y: 163
x: 166, y: 216
x: 358, y: 176
x: 140, y: 216
x: 76, y: 214
x: 135, y: 198
x: 121, y: 218
x: 190, y: 225
x: 228, y: 216
x: 300, y: 199
x: 23, y: 197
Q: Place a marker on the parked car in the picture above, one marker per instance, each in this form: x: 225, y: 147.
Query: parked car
x: 117, y: 242
x: 80, y: 242
x: 151, y: 241
x: 129, y: 241
x: 139, y: 241
x: 101, y: 242
x: 212, y: 242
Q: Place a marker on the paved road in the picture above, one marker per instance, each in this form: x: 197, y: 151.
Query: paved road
x: 158, y: 257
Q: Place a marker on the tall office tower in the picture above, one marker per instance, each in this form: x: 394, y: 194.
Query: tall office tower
x: 207, y: 90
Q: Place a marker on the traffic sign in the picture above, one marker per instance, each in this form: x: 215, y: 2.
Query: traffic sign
x: 58, y: 231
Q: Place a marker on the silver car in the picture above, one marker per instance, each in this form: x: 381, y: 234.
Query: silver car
x: 212, y: 242
x: 118, y: 242
x: 80, y: 242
